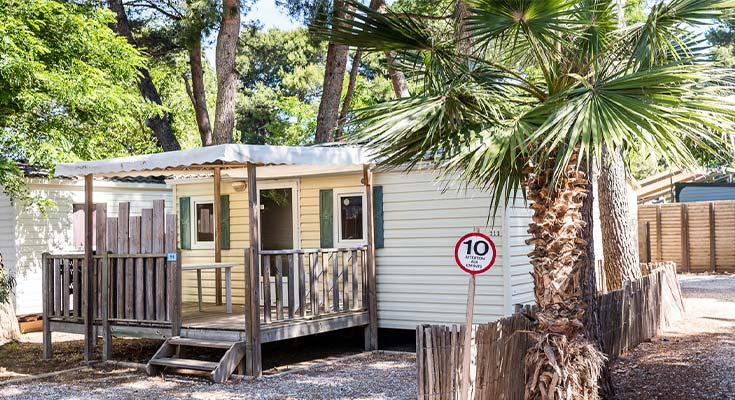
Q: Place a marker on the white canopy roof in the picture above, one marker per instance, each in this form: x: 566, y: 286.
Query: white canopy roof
x: 225, y: 154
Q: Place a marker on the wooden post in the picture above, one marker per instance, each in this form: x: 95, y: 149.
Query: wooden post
x: 217, y: 241
x: 467, y: 345
x: 45, y: 299
x: 685, y: 237
x: 105, y: 309
x: 88, y: 274
x: 174, y: 276
x: 101, y: 245
x: 647, y: 239
x: 659, y: 234
x: 371, y: 332
x: 253, y: 354
x: 712, y: 243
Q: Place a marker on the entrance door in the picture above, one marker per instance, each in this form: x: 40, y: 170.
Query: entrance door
x: 279, y: 230
x: 278, y: 216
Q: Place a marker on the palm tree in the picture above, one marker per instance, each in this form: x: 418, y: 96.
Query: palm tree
x: 547, y: 85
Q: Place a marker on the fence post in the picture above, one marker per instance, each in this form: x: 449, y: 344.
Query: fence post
x: 648, y: 242
x: 105, y: 309
x: 175, y: 297
x: 659, y: 235
x: 45, y: 298
x: 712, y: 244
x: 685, y: 237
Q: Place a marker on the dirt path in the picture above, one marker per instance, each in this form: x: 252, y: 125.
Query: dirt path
x: 695, y: 358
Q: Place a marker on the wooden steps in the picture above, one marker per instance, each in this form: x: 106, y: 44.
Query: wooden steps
x: 168, y: 357
x: 185, y: 364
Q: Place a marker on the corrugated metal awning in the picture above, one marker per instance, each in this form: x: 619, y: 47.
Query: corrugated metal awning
x: 234, y: 155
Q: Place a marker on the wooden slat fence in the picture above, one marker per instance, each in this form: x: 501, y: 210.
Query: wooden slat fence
x: 312, y: 282
x: 698, y: 236
x: 629, y: 316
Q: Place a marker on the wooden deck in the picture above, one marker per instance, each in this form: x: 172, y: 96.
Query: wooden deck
x: 214, y: 322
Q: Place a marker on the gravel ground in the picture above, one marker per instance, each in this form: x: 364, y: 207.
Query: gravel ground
x: 693, y: 359
x: 369, y: 376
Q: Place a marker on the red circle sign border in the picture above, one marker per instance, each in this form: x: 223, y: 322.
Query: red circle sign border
x: 459, y: 243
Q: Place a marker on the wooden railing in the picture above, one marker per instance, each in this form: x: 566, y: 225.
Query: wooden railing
x: 127, y: 287
x: 62, y: 286
x: 312, y: 282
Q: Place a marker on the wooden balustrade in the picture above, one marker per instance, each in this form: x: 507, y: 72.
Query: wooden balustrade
x: 311, y: 282
x: 62, y: 287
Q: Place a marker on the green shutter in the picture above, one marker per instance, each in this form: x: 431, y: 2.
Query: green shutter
x: 185, y: 222
x: 224, y: 218
x: 378, y: 216
x: 326, y: 223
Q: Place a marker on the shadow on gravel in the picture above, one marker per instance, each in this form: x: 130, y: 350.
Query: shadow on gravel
x: 686, y: 367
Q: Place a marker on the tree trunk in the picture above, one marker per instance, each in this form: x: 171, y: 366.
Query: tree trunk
x: 565, y: 362
x: 589, y: 287
x: 9, y: 330
x: 348, y: 96
x: 334, y: 73
x: 465, y: 44
x: 619, y: 226
x: 229, y: 32
x: 198, y: 94
x: 159, y: 124
x: 397, y: 78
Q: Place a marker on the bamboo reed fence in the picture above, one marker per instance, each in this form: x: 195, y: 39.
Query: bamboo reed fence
x: 698, y: 236
x: 628, y: 316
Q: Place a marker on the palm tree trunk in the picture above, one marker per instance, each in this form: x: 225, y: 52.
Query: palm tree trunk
x: 619, y: 226
x: 564, y: 363
x: 229, y: 32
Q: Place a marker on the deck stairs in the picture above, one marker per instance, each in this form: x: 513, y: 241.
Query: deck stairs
x: 167, y: 358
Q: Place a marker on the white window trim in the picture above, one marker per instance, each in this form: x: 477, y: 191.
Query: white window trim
x: 292, y: 184
x: 195, y: 244
x: 337, y: 218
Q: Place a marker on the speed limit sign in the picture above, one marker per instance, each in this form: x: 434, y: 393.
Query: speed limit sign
x: 475, y: 253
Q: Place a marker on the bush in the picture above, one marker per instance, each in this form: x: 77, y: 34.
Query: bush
x: 7, y: 283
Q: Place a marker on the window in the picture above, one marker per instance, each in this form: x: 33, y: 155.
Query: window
x: 350, y: 217
x: 202, y: 221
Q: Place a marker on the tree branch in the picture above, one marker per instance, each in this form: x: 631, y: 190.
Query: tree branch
x: 175, y: 15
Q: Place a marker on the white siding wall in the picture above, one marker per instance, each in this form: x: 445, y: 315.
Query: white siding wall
x: 36, y: 234
x: 417, y: 278
x: 518, y: 216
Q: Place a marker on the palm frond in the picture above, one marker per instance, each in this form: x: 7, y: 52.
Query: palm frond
x: 661, y: 111
x: 665, y: 36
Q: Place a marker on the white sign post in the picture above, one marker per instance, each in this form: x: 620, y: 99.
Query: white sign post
x: 474, y: 254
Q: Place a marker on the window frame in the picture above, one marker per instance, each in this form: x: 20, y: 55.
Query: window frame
x: 337, y: 195
x: 195, y: 244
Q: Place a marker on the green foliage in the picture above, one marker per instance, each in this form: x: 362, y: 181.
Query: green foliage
x: 281, y: 73
x: 169, y: 72
x: 14, y: 186
x: 67, y: 86
x: 7, y: 283
x: 546, y: 80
